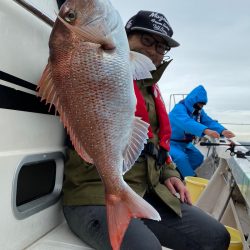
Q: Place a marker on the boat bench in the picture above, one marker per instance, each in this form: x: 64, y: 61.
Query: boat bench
x: 61, y: 238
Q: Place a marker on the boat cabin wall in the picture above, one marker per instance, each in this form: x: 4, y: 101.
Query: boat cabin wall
x: 32, y: 139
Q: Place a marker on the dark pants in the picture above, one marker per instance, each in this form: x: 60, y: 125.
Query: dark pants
x: 195, y: 230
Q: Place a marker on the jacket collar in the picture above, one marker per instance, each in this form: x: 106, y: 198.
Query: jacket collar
x: 156, y: 74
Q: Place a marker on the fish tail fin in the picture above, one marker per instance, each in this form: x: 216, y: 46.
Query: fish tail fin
x: 120, y: 210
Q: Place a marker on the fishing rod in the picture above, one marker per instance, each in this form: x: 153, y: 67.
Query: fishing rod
x: 231, y: 148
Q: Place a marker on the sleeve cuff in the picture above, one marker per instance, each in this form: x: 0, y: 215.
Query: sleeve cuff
x: 169, y: 171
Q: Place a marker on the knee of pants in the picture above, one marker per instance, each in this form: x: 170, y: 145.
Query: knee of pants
x: 139, y: 236
x: 201, y: 159
x: 219, y: 238
x: 180, y: 158
x: 222, y: 240
x: 184, y: 166
x: 145, y: 244
x: 197, y: 161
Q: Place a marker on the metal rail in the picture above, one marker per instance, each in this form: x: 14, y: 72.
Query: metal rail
x: 40, y: 14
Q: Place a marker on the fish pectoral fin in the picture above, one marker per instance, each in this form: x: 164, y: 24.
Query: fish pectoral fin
x: 136, y: 143
x: 120, y: 210
x: 91, y: 34
x: 141, y: 66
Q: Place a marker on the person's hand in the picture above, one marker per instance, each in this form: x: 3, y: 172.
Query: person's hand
x: 228, y: 133
x: 212, y: 133
x: 176, y: 186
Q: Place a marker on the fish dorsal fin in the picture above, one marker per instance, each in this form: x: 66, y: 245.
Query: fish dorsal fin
x: 91, y: 34
x: 47, y: 91
x: 45, y: 87
x: 138, y: 138
x: 141, y: 66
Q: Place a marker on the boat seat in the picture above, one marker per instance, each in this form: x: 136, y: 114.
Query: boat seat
x: 61, y: 238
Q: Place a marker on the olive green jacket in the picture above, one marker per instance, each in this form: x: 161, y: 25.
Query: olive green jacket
x: 83, y: 186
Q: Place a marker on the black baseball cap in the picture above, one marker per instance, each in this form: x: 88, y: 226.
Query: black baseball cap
x: 152, y: 22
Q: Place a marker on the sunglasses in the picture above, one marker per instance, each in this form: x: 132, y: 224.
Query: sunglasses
x: 148, y: 40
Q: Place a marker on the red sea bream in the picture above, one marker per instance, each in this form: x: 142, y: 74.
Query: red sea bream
x: 89, y: 79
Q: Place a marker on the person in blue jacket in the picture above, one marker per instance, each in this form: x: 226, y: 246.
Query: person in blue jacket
x: 188, y: 120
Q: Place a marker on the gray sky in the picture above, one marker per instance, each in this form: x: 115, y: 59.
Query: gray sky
x: 215, y: 52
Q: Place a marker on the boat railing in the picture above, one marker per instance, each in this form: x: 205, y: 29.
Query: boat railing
x: 36, y: 11
x: 174, y: 98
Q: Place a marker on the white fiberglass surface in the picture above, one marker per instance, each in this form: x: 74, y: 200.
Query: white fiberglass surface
x: 48, y: 7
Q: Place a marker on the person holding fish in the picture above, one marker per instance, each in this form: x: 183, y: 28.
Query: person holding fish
x: 118, y: 193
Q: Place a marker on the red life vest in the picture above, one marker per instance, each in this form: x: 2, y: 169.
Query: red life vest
x: 164, y: 133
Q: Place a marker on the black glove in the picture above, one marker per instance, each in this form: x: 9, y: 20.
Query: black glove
x: 162, y: 156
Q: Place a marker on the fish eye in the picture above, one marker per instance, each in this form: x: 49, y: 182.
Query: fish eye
x: 71, y: 16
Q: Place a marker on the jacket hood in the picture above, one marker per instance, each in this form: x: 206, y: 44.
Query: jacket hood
x: 199, y: 94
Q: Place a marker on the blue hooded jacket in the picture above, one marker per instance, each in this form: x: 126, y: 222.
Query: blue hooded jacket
x: 184, y: 123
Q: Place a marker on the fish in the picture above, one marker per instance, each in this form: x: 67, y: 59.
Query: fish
x: 89, y: 80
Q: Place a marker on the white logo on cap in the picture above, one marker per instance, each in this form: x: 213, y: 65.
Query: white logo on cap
x: 159, y: 18
x: 159, y: 28
x: 129, y: 24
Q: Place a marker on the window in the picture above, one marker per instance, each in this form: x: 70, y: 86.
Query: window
x: 37, y: 183
x: 35, y: 180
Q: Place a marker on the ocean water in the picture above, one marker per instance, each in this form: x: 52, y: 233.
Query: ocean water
x: 238, y: 121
